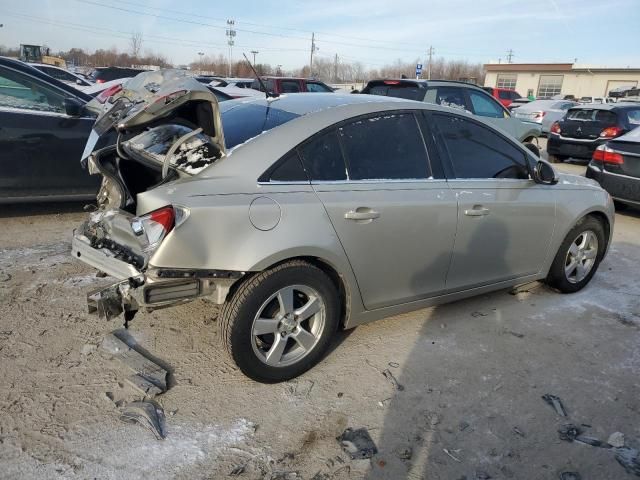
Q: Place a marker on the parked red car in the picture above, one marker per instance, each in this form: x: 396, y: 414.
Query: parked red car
x: 291, y: 85
x: 504, y: 95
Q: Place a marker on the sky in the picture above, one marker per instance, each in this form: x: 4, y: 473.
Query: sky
x: 375, y: 32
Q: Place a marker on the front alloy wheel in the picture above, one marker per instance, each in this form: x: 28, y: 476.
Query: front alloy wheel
x: 581, y: 257
x: 280, y: 322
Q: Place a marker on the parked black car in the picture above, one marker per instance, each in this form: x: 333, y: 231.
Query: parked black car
x: 586, y: 127
x: 616, y: 167
x: 44, y: 127
x: 106, y: 74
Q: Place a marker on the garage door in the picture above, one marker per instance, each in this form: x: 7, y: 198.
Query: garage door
x: 611, y: 84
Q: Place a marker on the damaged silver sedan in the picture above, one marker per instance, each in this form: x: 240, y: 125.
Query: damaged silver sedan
x: 304, y: 214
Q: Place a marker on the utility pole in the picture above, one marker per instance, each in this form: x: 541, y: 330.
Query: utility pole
x: 200, y: 54
x: 510, y: 55
x: 231, y: 35
x: 255, y: 52
x: 335, y: 69
x: 313, y: 49
x: 430, y: 53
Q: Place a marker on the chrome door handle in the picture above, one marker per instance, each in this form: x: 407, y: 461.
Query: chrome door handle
x: 477, y: 211
x: 361, y: 214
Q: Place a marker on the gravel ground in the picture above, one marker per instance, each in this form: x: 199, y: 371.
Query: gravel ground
x: 473, y: 374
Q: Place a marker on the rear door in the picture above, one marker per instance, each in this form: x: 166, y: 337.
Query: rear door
x: 390, y: 206
x: 505, y: 219
x: 40, y: 145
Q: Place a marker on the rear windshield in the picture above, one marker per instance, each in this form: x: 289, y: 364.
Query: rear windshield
x: 243, y: 121
x: 408, y: 91
x: 592, y: 115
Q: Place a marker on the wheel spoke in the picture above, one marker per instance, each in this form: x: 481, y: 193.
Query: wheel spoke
x: 263, y: 326
x: 581, y: 271
x: 574, y: 249
x: 591, y: 253
x: 308, y: 309
x: 584, y: 239
x: 285, y: 300
x: 568, y: 270
x: 277, y: 349
x: 305, y: 339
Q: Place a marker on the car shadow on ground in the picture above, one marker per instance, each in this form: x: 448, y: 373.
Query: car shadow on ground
x: 44, y: 208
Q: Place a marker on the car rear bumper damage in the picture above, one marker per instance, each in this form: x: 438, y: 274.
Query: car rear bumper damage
x: 150, y: 289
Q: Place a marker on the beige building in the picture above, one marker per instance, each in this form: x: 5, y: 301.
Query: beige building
x: 545, y: 80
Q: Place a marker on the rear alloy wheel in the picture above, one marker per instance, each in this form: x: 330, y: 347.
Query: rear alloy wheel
x: 279, y: 323
x: 578, y: 257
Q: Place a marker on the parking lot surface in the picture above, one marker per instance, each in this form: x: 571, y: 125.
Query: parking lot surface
x: 471, y: 378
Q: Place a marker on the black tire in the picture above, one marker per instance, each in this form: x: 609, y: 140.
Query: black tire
x: 557, y: 276
x: 238, y: 313
x: 556, y: 158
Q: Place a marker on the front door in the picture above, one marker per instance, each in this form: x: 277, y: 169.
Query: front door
x: 396, y: 222
x: 40, y: 145
x: 505, y: 219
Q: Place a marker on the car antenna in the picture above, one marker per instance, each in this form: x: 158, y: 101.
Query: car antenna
x: 267, y: 93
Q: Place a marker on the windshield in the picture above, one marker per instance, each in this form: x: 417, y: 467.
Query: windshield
x: 243, y: 121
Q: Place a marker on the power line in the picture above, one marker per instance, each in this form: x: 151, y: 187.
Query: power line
x: 510, y: 55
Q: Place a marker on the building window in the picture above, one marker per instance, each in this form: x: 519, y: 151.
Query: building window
x: 506, y: 81
x: 549, y: 86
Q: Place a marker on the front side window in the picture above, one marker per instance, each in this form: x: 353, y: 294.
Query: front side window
x: 290, y: 86
x: 485, y: 106
x: 507, y: 81
x: 446, y: 96
x: 385, y: 146
x: 317, y: 87
x: 20, y: 91
x: 549, y: 86
x: 477, y: 152
x: 322, y: 158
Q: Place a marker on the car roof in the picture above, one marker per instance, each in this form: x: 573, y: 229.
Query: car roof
x: 34, y: 72
x: 305, y: 103
x: 275, y: 77
x: 606, y: 106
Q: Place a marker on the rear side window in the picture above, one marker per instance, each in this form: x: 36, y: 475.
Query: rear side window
x: 401, y: 90
x: 485, y: 106
x: 290, y: 86
x: 317, y: 87
x: 505, y: 95
x: 289, y: 169
x: 386, y: 146
x: 478, y: 152
x: 446, y: 96
x: 323, y: 159
x: 634, y: 117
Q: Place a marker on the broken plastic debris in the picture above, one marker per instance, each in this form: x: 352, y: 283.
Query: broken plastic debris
x: 357, y: 443
x: 616, y: 439
x: 569, y: 432
x: 146, y: 413
x: 629, y: 458
x: 556, y: 403
x: 452, y: 455
x: 389, y: 376
x: 570, y: 476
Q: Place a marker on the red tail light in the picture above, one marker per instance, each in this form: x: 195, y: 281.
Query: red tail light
x: 392, y: 82
x: 555, y: 128
x: 611, y: 132
x: 153, y: 227
x: 605, y: 154
x: 105, y: 94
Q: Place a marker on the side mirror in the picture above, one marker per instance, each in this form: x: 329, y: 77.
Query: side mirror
x: 545, y: 173
x: 73, y: 107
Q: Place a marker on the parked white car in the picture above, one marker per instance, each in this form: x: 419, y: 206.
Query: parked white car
x: 64, y: 75
x: 544, y: 112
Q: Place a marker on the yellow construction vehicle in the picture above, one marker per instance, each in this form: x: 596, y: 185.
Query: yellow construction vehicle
x: 38, y: 54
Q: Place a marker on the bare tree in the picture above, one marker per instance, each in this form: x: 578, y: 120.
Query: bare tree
x: 135, y: 43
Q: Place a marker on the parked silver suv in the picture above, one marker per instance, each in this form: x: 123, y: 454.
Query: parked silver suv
x: 312, y: 213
